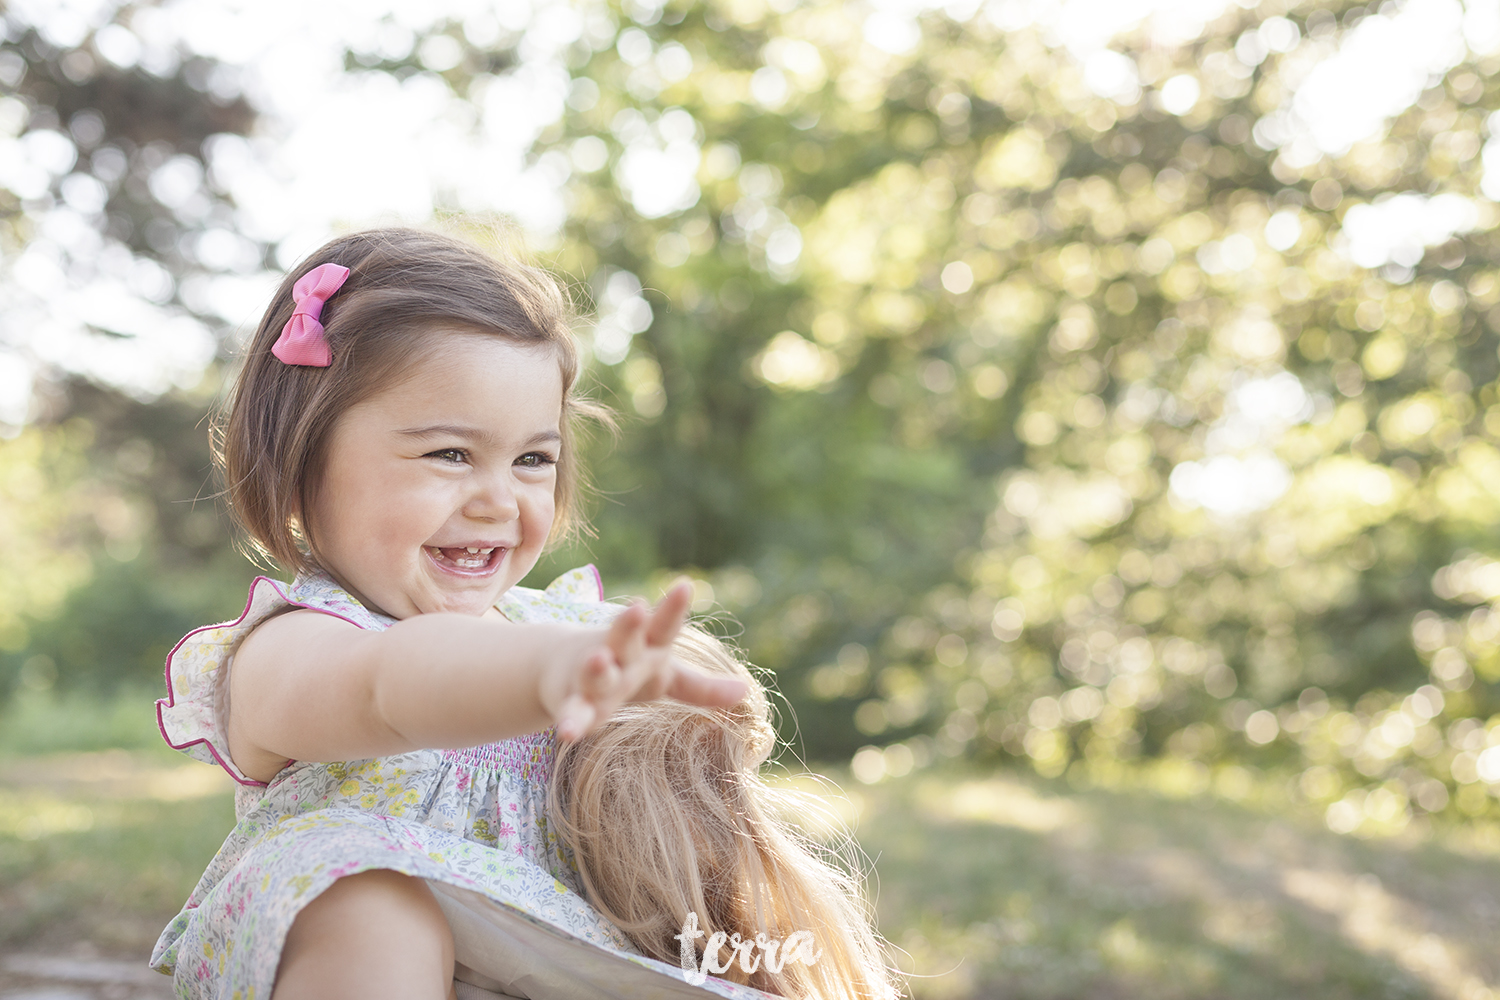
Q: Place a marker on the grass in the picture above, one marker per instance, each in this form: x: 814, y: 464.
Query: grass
x: 103, y: 847
x: 103, y: 830
x: 1006, y: 885
x: 989, y: 884
x: 41, y: 722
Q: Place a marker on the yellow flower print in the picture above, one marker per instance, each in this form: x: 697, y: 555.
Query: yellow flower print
x: 349, y: 788
x: 301, y: 883
x: 367, y: 800
x: 410, y: 798
x: 208, y: 949
x: 434, y: 855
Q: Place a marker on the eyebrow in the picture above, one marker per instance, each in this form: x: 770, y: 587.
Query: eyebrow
x: 472, y: 433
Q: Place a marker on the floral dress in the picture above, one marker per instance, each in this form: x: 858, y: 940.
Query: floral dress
x: 472, y: 823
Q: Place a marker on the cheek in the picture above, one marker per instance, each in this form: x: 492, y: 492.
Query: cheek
x: 543, y: 508
x: 394, y: 506
x: 547, y: 509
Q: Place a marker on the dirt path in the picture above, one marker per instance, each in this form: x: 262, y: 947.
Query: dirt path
x: 27, y: 976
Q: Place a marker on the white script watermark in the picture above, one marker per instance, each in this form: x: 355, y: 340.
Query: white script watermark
x: 750, y: 952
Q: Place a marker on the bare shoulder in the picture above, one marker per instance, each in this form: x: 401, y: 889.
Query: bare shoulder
x: 290, y: 633
x: 287, y: 662
x: 282, y: 656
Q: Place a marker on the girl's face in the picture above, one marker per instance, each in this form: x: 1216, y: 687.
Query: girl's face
x: 437, y: 493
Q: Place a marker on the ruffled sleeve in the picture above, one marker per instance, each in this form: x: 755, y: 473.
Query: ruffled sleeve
x: 577, y: 597
x: 190, y: 716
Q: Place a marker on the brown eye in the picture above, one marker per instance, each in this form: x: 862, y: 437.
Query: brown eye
x: 536, y: 460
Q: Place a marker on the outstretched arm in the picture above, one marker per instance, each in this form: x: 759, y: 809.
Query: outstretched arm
x: 306, y: 686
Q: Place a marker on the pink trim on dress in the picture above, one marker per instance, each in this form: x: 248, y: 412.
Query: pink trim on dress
x: 170, y: 701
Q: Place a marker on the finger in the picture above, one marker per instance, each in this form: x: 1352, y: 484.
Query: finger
x: 670, y: 614
x: 705, y: 689
x: 642, y: 679
x: 575, y: 718
x: 626, y: 637
x: 648, y: 680
x: 597, y: 678
x: 595, y: 683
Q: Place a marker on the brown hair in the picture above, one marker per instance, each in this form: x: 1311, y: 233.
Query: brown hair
x: 403, y: 285
x: 665, y: 813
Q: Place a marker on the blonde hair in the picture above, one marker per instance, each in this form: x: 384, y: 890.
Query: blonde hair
x: 666, y: 814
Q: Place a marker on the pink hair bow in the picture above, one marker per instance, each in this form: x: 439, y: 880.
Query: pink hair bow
x: 301, y: 341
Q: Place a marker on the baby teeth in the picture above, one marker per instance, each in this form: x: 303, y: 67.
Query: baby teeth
x: 466, y: 556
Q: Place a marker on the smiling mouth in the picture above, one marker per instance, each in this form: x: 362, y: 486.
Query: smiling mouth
x: 467, y: 559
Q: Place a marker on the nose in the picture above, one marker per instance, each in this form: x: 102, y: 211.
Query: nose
x: 493, y: 498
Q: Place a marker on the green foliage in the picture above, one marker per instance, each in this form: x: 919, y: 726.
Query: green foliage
x: 38, y: 469
x: 119, y: 547
x: 105, y: 557
x: 1009, y: 284
x: 42, y: 722
x: 1005, y: 419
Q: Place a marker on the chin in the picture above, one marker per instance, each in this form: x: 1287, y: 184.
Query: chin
x: 469, y: 604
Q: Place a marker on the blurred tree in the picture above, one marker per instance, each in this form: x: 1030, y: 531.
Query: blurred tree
x: 112, y: 131
x: 106, y: 201
x: 859, y: 276
x: 131, y: 551
x: 1073, y: 407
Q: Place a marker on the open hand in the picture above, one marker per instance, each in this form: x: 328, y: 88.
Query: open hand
x: 634, y: 663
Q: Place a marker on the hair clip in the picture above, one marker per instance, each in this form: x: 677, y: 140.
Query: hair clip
x: 301, y: 341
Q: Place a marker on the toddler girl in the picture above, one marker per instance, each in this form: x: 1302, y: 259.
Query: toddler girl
x: 401, y: 436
